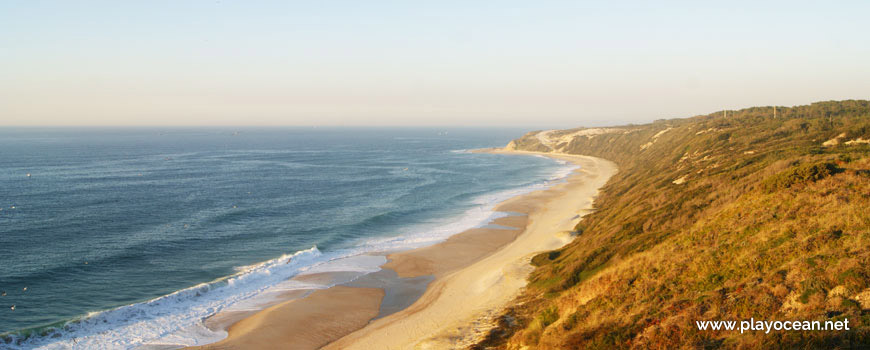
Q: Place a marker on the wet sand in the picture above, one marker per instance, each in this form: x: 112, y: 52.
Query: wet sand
x: 426, y: 297
x: 456, y: 252
x: 313, y: 322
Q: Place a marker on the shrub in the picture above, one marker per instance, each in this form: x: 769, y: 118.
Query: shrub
x: 545, y: 258
x: 549, y: 316
x: 799, y: 174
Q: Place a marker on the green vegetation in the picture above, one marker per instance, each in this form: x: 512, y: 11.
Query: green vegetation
x: 711, y: 218
x: 798, y: 175
x: 549, y: 316
x: 545, y: 257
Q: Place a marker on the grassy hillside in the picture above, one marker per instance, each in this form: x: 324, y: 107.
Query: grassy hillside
x: 710, y: 218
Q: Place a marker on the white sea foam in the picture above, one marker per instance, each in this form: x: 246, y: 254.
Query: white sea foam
x: 354, y: 263
x: 564, y: 171
x: 484, y: 212
x: 143, y: 323
x: 176, y: 319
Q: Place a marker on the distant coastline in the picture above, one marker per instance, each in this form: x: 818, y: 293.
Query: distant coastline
x: 194, y: 222
x: 475, y: 273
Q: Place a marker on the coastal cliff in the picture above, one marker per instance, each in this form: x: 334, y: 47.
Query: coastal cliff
x: 755, y: 213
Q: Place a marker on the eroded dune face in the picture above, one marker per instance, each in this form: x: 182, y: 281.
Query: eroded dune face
x: 559, y: 141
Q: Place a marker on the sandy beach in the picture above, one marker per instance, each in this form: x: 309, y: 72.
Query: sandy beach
x: 435, y: 297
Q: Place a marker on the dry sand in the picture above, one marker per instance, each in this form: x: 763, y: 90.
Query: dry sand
x: 476, y: 273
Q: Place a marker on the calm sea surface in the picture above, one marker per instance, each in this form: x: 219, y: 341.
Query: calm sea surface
x: 110, y: 228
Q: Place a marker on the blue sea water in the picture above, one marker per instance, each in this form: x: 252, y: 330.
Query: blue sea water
x: 124, y: 236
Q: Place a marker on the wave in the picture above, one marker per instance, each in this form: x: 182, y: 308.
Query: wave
x: 173, y: 314
x: 483, y: 212
x: 176, y: 319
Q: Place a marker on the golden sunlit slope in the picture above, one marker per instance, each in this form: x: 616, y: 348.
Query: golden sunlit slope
x: 710, y: 218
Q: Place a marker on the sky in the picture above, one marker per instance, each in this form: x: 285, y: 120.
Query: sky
x: 421, y: 63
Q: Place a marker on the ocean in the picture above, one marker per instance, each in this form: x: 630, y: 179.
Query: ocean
x: 123, y: 237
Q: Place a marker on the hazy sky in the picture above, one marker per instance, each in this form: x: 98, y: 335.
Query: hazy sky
x: 517, y: 63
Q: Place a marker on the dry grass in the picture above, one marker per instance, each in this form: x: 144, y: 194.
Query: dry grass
x: 767, y: 224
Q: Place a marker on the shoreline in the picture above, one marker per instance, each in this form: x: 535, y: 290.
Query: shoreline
x: 430, y: 293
